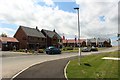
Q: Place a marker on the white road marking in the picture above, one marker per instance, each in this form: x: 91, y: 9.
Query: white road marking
x: 66, y: 69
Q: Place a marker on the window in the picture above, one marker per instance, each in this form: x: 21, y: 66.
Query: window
x: 42, y: 39
x: 31, y: 38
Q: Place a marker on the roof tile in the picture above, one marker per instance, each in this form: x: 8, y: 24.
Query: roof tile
x: 8, y: 39
x: 32, y: 32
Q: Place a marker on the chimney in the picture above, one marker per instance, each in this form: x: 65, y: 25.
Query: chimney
x: 54, y: 30
x: 37, y: 28
x: 63, y: 37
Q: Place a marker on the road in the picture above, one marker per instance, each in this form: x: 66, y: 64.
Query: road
x: 47, y: 70
x: 14, y: 64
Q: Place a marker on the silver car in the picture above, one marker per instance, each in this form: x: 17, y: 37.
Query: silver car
x: 86, y: 49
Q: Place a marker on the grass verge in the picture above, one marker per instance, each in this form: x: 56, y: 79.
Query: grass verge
x: 92, y: 66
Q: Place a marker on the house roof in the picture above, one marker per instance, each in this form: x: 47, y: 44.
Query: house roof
x: 51, y: 34
x: 8, y: 39
x: 91, y: 40
x: 98, y: 40
x: 32, y: 32
x: 103, y: 40
x: 72, y: 41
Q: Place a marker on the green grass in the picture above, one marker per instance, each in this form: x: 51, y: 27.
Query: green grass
x: 76, y: 49
x: 92, y: 66
x: 103, y: 48
x: 69, y: 51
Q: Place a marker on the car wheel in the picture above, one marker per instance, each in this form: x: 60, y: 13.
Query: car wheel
x: 47, y: 52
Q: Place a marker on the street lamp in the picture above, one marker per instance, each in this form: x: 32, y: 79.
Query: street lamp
x: 78, y: 34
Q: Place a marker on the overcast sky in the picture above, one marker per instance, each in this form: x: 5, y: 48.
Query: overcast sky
x: 98, y: 18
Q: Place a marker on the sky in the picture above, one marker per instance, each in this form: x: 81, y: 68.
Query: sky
x: 98, y: 18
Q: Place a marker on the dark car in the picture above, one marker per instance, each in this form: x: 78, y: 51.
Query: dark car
x: 86, y: 49
x: 94, y: 48
x: 52, y: 50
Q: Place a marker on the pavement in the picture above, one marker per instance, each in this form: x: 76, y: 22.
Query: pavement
x: 13, y: 54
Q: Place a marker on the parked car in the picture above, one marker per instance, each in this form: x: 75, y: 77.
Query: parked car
x: 86, y: 49
x: 94, y: 48
x: 52, y: 50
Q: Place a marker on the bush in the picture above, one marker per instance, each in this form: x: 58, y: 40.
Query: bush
x: 63, y: 49
x: 40, y: 51
x: 21, y: 50
x: 14, y: 50
x: 67, y: 48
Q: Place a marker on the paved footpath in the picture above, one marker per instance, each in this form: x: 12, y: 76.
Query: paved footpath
x: 53, y: 70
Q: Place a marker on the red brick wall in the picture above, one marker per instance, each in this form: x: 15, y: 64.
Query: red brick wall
x: 37, y: 40
x: 83, y: 44
x: 106, y: 44
x: 25, y: 40
x: 22, y: 38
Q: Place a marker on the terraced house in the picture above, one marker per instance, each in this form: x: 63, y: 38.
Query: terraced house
x: 52, y: 38
x: 33, y: 38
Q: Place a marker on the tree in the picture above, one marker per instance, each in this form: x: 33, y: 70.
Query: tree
x: 3, y: 35
x: 118, y: 35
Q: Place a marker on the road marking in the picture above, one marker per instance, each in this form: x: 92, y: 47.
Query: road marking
x: 33, y: 65
x: 38, y: 63
x: 25, y: 69
x: 66, y: 69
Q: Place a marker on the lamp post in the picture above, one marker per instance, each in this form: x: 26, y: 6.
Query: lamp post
x: 78, y: 34
x: 46, y: 39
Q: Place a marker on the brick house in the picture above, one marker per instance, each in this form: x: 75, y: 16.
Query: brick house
x: 8, y: 43
x: 91, y: 42
x: 73, y: 42
x: 103, y: 42
x: 52, y: 38
x: 30, y: 38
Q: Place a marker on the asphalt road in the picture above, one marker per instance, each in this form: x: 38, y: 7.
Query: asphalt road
x: 12, y: 65
x: 47, y: 70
